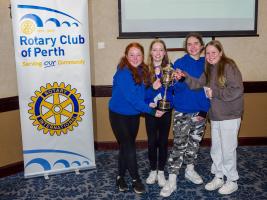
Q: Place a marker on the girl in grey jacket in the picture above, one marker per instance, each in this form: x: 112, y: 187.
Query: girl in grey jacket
x: 223, y: 85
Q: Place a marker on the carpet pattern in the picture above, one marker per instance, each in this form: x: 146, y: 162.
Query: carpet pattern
x: 100, y: 183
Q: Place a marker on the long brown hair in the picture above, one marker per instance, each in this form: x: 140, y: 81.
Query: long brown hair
x: 194, y: 35
x: 165, y: 60
x: 140, y: 74
x: 221, y: 80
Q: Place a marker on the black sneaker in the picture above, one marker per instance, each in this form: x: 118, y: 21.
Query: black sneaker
x: 138, y: 187
x: 120, y: 182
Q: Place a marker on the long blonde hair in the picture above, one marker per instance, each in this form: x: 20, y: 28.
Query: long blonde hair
x: 221, y: 80
x: 165, y: 60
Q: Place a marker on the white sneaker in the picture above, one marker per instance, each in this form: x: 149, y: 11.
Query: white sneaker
x: 168, y: 189
x: 214, y: 184
x: 152, y: 178
x: 161, y: 178
x: 193, y: 176
x: 228, y: 188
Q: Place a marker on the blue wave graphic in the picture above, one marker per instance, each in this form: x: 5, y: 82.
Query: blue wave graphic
x: 35, y: 18
x: 44, y: 163
x: 47, y: 165
x: 74, y: 23
x: 52, y: 151
x: 67, y: 23
x: 86, y: 162
x: 48, y: 9
x: 78, y: 163
x: 64, y: 162
x: 57, y: 23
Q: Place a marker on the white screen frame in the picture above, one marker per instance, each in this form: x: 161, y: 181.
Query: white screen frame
x: 137, y: 23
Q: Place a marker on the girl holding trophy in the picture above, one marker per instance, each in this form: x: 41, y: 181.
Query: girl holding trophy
x: 190, y: 109
x: 158, y: 95
x: 125, y: 106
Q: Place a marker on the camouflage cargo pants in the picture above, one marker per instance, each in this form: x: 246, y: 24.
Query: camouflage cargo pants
x: 187, y: 135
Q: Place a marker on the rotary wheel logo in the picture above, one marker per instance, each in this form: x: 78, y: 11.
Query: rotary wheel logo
x: 56, y: 109
x: 27, y: 27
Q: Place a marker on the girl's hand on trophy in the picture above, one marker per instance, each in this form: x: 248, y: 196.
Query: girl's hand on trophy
x: 157, y: 84
x: 157, y: 71
x: 178, y: 74
x: 159, y: 113
x: 152, y: 105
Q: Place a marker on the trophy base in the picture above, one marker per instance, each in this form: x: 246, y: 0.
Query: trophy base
x: 164, y: 105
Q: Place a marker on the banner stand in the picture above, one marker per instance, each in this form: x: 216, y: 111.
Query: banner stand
x: 51, y: 41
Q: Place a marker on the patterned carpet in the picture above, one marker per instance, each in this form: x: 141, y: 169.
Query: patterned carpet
x: 100, y: 183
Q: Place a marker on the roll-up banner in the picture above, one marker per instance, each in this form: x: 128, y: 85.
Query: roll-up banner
x: 51, y: 42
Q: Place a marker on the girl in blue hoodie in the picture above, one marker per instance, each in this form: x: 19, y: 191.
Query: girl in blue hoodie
x: 190, y: 109
x: 125, y: 106
x: 157, y: 128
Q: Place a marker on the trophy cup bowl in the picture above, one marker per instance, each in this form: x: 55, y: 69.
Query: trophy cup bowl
x: 166, y: 81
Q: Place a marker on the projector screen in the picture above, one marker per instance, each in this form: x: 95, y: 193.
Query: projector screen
x: 176, y: 18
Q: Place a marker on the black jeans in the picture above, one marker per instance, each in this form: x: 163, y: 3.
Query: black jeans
x: 125, y: 129
x: 157, y: 133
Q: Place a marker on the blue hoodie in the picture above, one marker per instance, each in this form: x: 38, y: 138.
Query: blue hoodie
x: 151, y: 94
x: 185, y: 99
x: 128, y: 98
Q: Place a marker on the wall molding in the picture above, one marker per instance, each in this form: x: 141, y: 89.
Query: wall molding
x: 206, y: 142
x: 9, y: 104
x: 243, y: 141
x: 11, y: 169
x: 101, y: 90
x: 255, y: 87
x: 12, y: 103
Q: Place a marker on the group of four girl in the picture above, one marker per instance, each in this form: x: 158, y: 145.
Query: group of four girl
x: 211, y: 85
